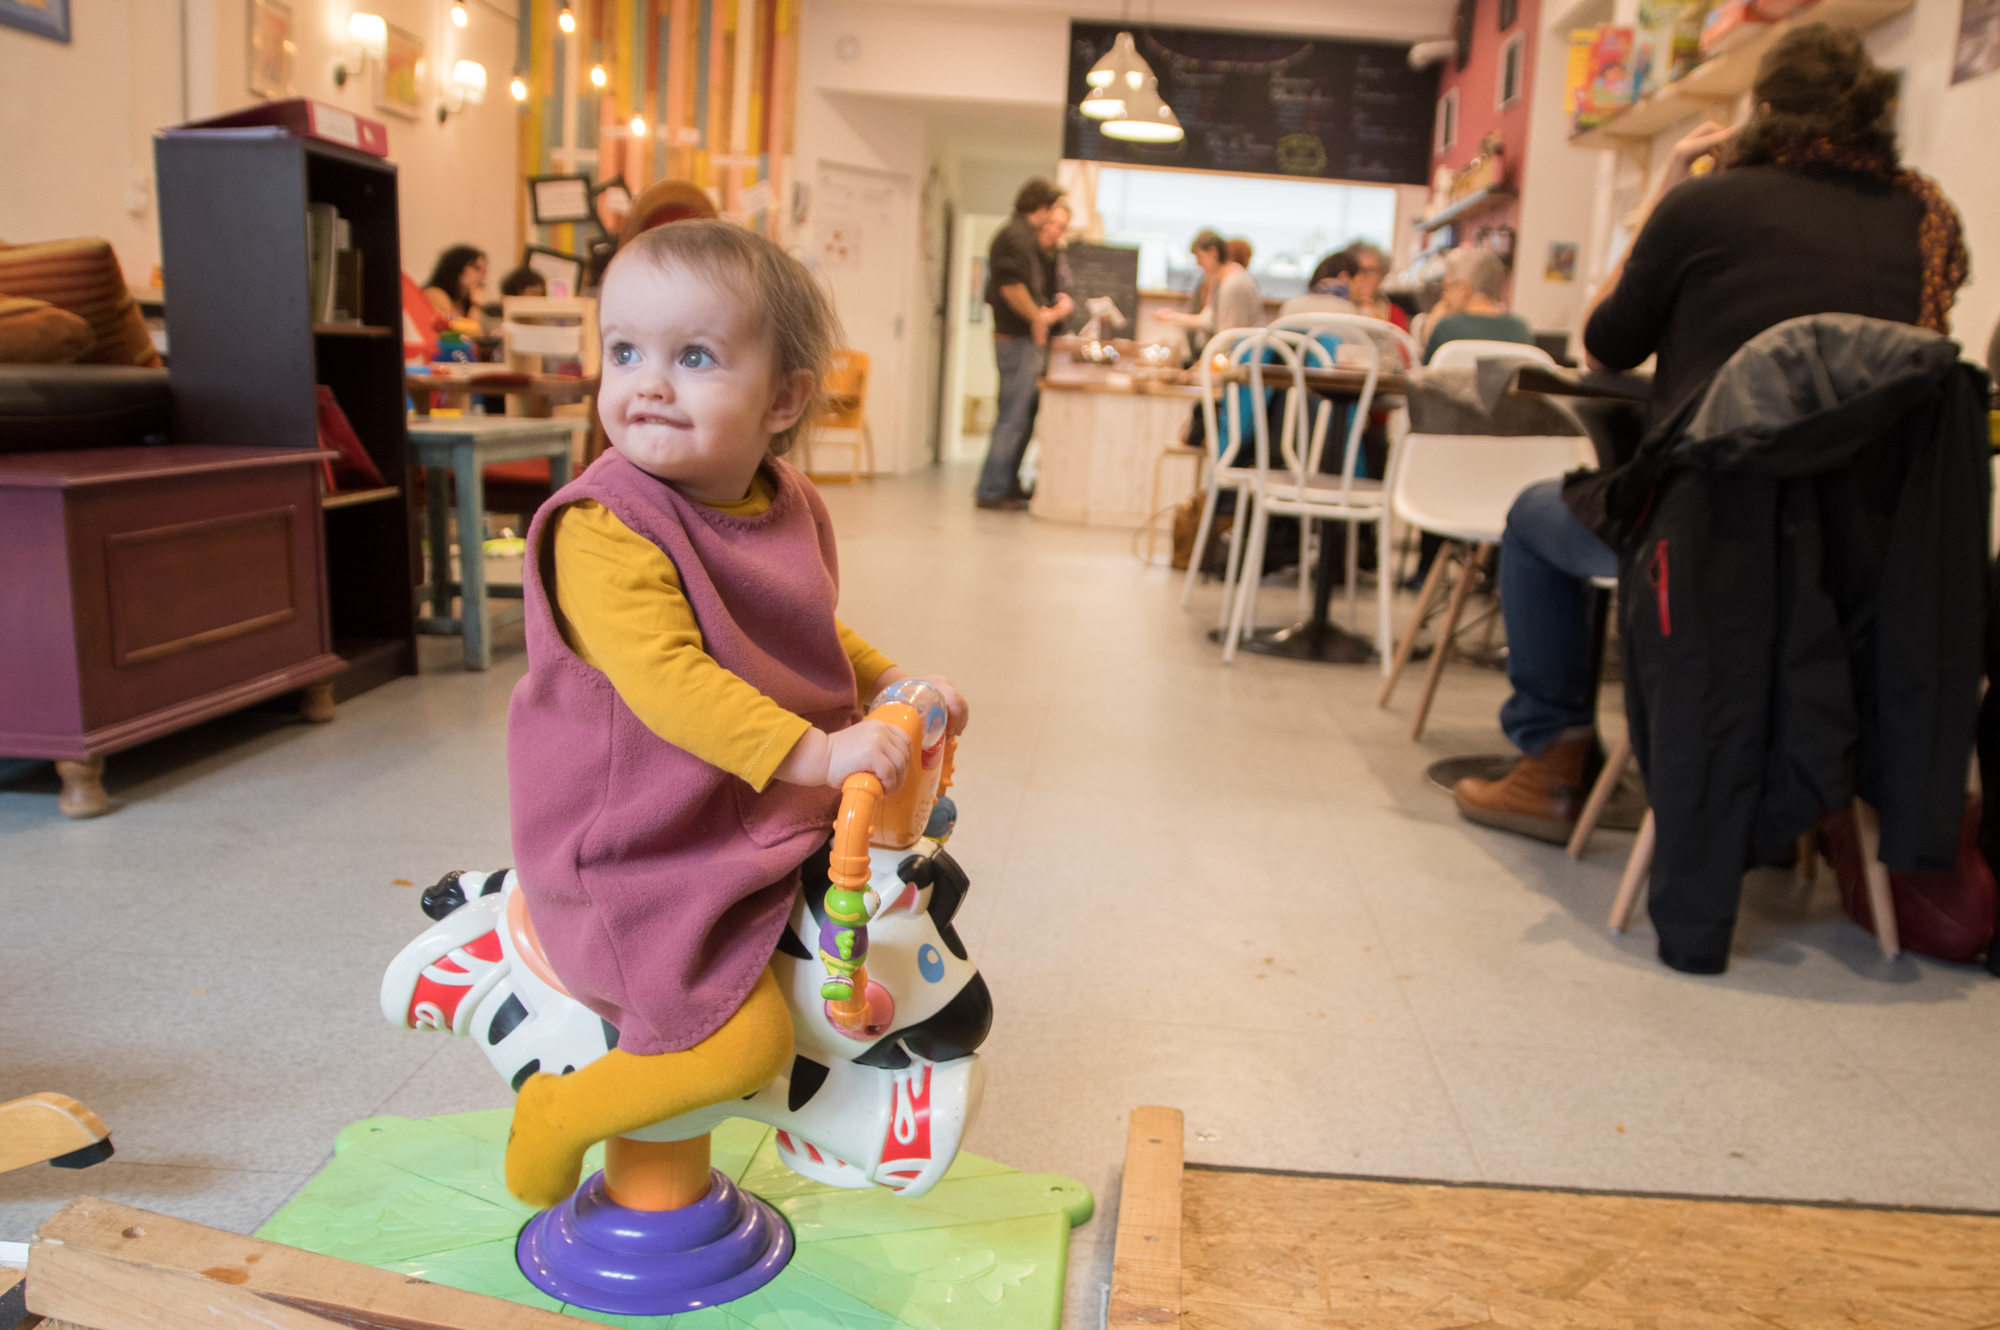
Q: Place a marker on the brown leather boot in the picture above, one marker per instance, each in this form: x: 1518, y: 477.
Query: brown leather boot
x: 1541, y: 797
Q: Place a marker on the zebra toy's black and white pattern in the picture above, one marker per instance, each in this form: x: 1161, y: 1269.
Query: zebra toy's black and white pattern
x: 887, y: 1107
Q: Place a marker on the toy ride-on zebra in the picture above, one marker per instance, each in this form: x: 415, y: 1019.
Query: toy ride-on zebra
x: 887, y: 1011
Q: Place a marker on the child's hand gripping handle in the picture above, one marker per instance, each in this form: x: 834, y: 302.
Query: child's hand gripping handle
x: 843, y: 945
x: 916, y: 708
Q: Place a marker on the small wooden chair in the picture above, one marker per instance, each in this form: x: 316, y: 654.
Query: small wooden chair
x: 844, y: 422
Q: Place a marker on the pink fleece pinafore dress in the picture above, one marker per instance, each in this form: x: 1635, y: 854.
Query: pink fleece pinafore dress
x: 658, y: 883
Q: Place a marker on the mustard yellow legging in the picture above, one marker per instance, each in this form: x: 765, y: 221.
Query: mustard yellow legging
x: 557, y: 1118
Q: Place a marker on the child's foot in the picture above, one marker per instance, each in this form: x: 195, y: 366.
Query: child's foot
x: 543, y: 1162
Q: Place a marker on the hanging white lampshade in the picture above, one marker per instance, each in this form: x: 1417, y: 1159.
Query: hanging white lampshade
x: 1122, y: 58
x: 1146, y: 119
x: 1102, y: 103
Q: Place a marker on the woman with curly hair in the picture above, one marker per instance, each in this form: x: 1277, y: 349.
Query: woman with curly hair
x: 1810, y: 211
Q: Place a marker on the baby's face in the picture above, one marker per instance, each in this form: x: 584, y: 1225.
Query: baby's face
x: 689, y: 390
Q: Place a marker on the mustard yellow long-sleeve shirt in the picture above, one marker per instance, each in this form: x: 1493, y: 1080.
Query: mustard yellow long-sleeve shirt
x: 621, y: 609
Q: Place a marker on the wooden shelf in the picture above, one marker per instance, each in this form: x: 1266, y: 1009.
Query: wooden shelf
x: 1722, y: 78
x: 350, y: 498
x: 352, y: 330
x: 1471, y: 204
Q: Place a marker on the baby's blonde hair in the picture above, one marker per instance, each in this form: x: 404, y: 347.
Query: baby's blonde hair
x: 791, y: 306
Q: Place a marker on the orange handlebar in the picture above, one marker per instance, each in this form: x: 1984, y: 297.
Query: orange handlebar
x: 848, y: 860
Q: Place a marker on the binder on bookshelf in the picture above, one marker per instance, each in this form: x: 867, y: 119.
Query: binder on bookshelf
x: 304, y: 118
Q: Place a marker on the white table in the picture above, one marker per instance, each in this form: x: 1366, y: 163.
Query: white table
x: 466, y: 445
x: 1101, y: 436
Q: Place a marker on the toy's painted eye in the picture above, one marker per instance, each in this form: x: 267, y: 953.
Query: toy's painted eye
x: 929, y: 964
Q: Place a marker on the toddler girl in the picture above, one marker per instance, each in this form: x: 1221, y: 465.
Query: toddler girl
x: 691, y: 706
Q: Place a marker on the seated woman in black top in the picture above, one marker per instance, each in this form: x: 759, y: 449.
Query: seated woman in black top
x: 1807, y: 213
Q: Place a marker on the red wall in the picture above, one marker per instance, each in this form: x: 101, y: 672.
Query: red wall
x: 1477, y: 86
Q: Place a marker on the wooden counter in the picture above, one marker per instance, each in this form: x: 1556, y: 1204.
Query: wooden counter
x: 1100, y: 435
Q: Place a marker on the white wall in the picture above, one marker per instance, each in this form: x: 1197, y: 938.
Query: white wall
x: 1947, y: 133
x: 77, y: 121
x: 76, y: 127
x: 1558, y: 186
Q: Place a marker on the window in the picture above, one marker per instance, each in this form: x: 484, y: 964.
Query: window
x: 1447, y: 121
x: 1509, y: 11
x: 1290, y: 224
x: 1513, y: 53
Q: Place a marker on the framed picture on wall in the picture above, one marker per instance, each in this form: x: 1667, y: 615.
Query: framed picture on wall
x: 561, y: 273
x: 271, y: 49
x: 44, y: 18
x: 555, y: 199
x: 400, y: 76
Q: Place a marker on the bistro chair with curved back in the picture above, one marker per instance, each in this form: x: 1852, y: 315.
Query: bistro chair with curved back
x: 1467, y: 352
x: 1396, y: 348
x: 1225, y: 469
x: 1460, y: 487
x: 1289, y: 481
x: 843, y: 423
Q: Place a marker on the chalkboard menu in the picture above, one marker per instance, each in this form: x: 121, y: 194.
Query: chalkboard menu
x: 1318, y: 109
x: 1105, y: 270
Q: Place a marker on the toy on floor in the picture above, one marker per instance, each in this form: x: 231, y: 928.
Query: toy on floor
x: 886, y: 1008
x: 51, y: 1128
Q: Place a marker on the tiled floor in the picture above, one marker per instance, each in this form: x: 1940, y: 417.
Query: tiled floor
x: 1224, y: 889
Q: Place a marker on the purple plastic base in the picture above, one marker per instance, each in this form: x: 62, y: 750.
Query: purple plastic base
x: 596, y: 1254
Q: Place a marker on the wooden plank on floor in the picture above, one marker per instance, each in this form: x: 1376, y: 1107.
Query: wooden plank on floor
x: 285, y: 1285
x: 1274, y: 1252
x: 1146, y: 1263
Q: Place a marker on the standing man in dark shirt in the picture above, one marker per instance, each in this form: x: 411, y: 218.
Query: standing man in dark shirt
x: 1015, y: 287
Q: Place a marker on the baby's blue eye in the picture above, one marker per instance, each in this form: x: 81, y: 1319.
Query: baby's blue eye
x: 624, y: 353
x: 695, y: 357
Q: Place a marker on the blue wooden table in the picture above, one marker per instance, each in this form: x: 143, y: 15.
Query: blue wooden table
x: 465, y: 446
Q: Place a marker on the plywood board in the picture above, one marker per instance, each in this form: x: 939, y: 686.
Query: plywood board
x: 1146, y: 1262
x: 95, y: 1262
x: 1279, y: 1252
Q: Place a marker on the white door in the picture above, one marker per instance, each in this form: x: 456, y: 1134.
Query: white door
x: 972, y: 382
x: 860, y: 239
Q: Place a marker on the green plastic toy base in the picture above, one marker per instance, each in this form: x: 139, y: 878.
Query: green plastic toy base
x: 987, y: 1247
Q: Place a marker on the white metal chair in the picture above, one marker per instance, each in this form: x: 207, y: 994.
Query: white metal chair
x: 1395, y: 345
x: 1467, y: 352
x: 1460, y: 486
x: 1289, y: 483
x: 1235, y: 479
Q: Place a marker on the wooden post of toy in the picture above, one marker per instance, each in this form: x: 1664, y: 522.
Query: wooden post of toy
x: 656, y: 1175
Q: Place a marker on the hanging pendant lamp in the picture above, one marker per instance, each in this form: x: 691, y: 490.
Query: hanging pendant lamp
x: 1145, y: 119
x: 1122, y: 58
x: 1103, y: 103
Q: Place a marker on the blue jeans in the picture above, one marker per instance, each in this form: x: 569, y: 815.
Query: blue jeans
x: 1546, y: 560
x: 1020, y: 363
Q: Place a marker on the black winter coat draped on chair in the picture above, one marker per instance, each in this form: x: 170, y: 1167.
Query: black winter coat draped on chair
x: 1803, y: 556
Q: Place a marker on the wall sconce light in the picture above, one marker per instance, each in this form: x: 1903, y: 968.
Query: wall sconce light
x: 458, y: 14
x: 468, y: 87
x: 517, y: 88
x: 598, y: 78
x: 367, y: 39
x: 638, y: 126
x: 565, y: 19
